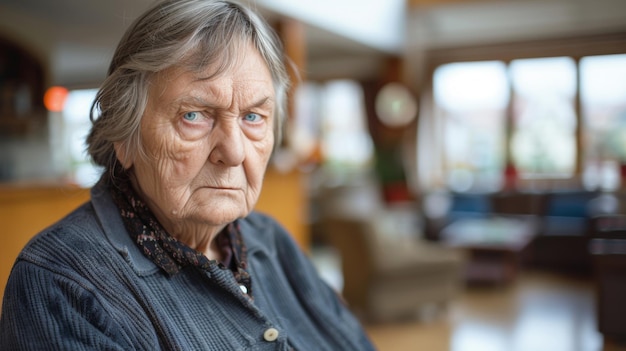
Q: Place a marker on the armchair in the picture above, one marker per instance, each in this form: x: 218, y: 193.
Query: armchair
x: 388, y: 271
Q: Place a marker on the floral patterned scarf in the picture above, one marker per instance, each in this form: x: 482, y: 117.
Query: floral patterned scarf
x: 167, y: 252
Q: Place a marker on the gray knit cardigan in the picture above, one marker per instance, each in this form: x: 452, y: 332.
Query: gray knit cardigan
x: 83, y: 284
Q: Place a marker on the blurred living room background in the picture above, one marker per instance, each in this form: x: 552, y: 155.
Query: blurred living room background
x: 456, y: 169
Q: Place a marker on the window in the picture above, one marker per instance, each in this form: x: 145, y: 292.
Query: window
x: 551, y: 122
x: 328, y: 132
x: 346, y: 143
x: 76, y: 126
x: 472, y: 99
x: 543, y: 142
x: 603, y: 100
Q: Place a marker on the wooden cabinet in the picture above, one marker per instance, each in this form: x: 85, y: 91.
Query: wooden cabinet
x: 608, y: 250
x: 21, y: 90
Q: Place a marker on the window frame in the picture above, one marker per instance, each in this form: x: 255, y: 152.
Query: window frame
x: 575, y: 47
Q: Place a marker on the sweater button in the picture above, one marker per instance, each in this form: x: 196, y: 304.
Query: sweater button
x: 271, y: 334
x: 243, y: 289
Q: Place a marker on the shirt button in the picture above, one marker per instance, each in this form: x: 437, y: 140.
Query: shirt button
x: 243, y: 289
x: 271, y: 334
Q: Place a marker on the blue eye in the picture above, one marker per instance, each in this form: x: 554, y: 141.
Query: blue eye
x: 191, y: 116
x: 252, y: 117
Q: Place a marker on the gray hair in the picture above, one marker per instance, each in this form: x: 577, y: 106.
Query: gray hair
x: 183, y: 33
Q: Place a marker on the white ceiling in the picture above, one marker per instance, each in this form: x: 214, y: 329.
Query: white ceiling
x: 76, y: 38
x: 510, y: 20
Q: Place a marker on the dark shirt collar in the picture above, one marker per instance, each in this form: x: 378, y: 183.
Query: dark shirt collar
x: 156, y: 244
x: 253, y: 230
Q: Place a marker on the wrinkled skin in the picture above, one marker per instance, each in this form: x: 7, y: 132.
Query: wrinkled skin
x: 207, y: 145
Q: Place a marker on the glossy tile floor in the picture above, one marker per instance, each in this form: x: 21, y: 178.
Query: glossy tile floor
x: 538, y: 312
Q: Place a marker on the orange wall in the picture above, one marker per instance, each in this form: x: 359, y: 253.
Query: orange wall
x: 284, y: 197
x: 25, y: 210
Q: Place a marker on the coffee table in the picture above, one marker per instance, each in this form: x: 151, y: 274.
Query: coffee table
x: 493, y: 245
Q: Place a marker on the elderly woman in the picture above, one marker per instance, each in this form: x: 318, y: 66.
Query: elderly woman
x: 168, y: 254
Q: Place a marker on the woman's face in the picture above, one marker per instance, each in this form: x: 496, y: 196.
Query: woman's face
x: 207, y: 142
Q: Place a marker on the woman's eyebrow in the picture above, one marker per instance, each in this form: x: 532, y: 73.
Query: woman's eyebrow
x: 263, y: 102
x: 195, y: 101
x: 266, y: 100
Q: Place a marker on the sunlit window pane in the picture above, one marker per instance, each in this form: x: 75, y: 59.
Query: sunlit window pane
x: 460, y: 87
x: 472, y: 99
x: 603, y: 98
x: 76, y: 126
x: 543, y: 141
x: 345, y: 139
x: 304, y: 132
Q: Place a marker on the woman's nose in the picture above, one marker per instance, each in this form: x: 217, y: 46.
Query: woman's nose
x: 228, y: 144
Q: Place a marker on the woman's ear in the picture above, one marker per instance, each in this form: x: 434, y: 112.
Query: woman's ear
x: 123, y: 155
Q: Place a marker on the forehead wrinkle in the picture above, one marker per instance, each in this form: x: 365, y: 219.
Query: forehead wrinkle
x: 212, y: 93
x: 234, y: 95
x: 228, y: 89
